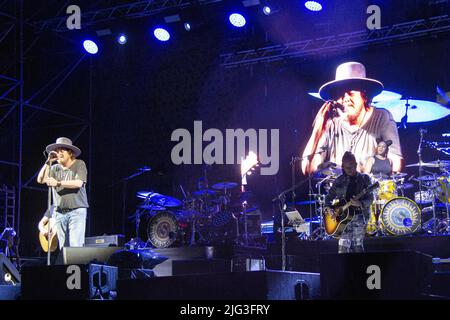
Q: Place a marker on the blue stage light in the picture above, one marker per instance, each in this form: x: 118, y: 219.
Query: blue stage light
x: 122, y: 39
x: 237, y: 20
x: 90, y: 46
x: 267, y: 10
x: 313, y: 5
x: 161, y: 34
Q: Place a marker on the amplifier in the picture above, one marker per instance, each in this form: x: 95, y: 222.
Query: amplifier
x: 114, y: 240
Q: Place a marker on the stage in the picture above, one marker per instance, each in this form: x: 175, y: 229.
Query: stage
x: 242, y: 272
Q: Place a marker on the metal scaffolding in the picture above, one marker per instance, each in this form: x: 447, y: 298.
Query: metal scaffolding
x: 12, y: 98
x: 385, y: 35
x: 137, y: 9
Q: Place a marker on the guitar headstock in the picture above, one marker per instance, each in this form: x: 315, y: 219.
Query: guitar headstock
x: 247, y: 164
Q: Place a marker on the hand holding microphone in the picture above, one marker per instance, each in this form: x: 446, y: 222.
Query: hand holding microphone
x: 52, y: 157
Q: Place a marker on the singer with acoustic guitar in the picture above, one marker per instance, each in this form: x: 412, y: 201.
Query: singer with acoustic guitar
x: 351, y: 191
x: 67, y: 177
x: 348, y: 122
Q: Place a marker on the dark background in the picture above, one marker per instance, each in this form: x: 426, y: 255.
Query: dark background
x: 142, y: 91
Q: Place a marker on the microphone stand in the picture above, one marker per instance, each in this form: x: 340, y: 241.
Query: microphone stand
x: 281, y: 198
x: 49, y: 204
x: 124, y: 194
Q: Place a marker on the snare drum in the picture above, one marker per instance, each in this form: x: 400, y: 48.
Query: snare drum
x: 387, y: 189
x: 400, y: 216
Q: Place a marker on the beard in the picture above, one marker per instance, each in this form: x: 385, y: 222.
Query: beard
x: 354, y: 113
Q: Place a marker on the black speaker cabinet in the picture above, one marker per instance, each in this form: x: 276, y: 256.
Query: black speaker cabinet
x: 255, y: 285
x: 8, y: 272
x: 376, y: 275
x: 71, y: 282
x: 85, y: 255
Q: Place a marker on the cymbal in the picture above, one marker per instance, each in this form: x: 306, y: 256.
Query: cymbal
x: 224, y: 185
x: 165, y: 201
x: 152, y: 207
x: 424, y: 164
x: 426, y: 178
x: 418, y: 110
x: 441, y: 163
x: 386, y: 96
x: 333, y: 172
x: 145, y: 194
x: 405, y: 186
x: 399, y: 175
x: 204, y: 192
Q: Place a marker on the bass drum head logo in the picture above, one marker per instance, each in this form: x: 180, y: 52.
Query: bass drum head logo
x: 162, y: 229
x: 400, y: 216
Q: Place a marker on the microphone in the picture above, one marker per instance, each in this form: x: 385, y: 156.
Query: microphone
x: 336, y: 105
x: 145, y: 168
x: 422, y: 131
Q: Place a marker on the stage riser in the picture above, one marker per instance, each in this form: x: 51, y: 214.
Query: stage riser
x: 258, y: 285
x: 383, y: 275
x: 43, y: 283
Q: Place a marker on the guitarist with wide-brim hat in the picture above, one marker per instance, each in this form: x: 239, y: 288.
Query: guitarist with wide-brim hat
x: 353, y: 190
x: 66, y: 175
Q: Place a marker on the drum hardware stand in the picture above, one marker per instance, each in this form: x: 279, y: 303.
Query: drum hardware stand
x: 124, y: 192
x: 321, y: 200
x: 137, y: 243
x: 419, y: 153
x: 310, y: 190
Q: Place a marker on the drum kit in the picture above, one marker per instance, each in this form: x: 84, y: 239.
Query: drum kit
x: 205, y: 216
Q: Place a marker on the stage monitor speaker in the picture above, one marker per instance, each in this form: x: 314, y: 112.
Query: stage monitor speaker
x: 85, y: 255
x: 73, y: 282
x: 374, y: 275
x: 255, y: 285
x: 8, y: 272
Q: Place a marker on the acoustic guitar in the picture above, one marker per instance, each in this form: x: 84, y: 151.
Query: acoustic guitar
x: 43, y: 239
x: 340, y: 215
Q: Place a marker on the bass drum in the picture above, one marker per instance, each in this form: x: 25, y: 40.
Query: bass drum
x: 400, y: 216
x: 162, y: 229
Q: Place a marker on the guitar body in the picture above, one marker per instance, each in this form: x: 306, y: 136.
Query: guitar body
x: 341, y: 214
x: 336, y: 222
x: 44, y: 239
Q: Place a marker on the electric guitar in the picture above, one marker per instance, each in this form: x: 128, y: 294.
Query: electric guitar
x: 336, y: 219
x: 44, y: 239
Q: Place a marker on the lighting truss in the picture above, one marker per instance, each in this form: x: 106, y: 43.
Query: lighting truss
x: 135, y: 9
x: 385, y: 35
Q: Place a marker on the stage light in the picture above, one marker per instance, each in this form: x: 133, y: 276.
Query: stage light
x: 161, y: 34
x: 122, y: 39
x: 313, y: 5
x: 267, y: 10
x: 237, y: 20
x: 90, y: 46
x: 187, y: 26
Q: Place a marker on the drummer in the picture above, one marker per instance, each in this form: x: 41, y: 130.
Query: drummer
x: 380, y: 165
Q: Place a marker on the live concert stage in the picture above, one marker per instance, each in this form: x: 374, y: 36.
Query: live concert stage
x: 230, y: 150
